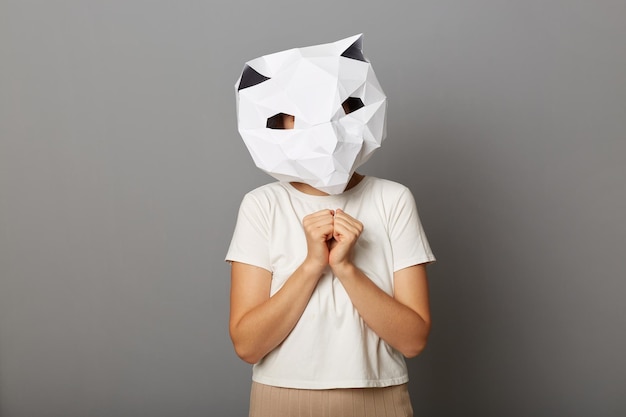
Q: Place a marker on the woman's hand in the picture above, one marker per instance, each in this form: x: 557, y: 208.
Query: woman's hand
x: 346, y: 231
x: 401, y: 319
x: 258, y: 322
x: 318, y: 229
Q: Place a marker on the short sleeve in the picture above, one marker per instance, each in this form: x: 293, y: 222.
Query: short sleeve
x: 250, y: 242
x: 408, y: 240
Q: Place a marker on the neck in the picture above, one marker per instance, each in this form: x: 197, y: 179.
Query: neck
x: 307, y: 189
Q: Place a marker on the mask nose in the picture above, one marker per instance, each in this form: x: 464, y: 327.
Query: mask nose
x: 323, y: 138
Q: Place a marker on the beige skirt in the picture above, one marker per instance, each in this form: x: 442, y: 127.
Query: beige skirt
x: 270, y: 401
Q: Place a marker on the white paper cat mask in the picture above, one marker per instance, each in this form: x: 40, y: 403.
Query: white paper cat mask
x: 312, y: 114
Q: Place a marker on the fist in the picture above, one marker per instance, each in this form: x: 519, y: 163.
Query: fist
x: 318, y: 229
x: 346, y: 232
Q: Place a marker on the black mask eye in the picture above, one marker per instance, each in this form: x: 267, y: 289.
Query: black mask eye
x: 352, y: 104
x: 280, y: 121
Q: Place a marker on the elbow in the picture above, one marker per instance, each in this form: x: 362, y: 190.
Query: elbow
x: 245, y: 351
x: 417, y: 345
x: 414, y: 349
x: 246, y: 355
x: 251, y: 359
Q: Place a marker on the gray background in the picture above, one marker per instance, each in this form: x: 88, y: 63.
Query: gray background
x: 121, y: 172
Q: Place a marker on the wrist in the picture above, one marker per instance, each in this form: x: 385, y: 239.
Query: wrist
x: 313, y: 267
x: 343, y: 269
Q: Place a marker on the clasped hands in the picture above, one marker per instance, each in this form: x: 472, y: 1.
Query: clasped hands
x: 330, y: 236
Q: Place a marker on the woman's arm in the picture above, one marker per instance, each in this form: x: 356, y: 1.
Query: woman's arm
x: 258, y: 322
x: 403, y: 320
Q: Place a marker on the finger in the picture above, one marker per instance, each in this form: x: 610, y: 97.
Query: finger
x: 343, y: 215
x: 320, y: 226
x: 318, y: 215
x: 321, y: 222
x: 326, y: 231
x: 350, y: 223
x: 325, y: 215
x: 345, y: 231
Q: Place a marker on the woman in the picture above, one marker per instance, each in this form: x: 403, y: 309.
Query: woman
x: 328, y: 286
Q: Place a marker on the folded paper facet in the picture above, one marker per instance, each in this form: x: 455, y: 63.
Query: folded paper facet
x: 334, y: 101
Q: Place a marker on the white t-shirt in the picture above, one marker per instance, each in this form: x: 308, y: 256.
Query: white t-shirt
x: 331, y: 346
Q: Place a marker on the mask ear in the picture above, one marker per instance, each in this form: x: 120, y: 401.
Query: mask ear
x: 250, y: 77
x: 355, y: 51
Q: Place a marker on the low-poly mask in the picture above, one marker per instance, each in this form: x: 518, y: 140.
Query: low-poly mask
x: 313, y: 114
